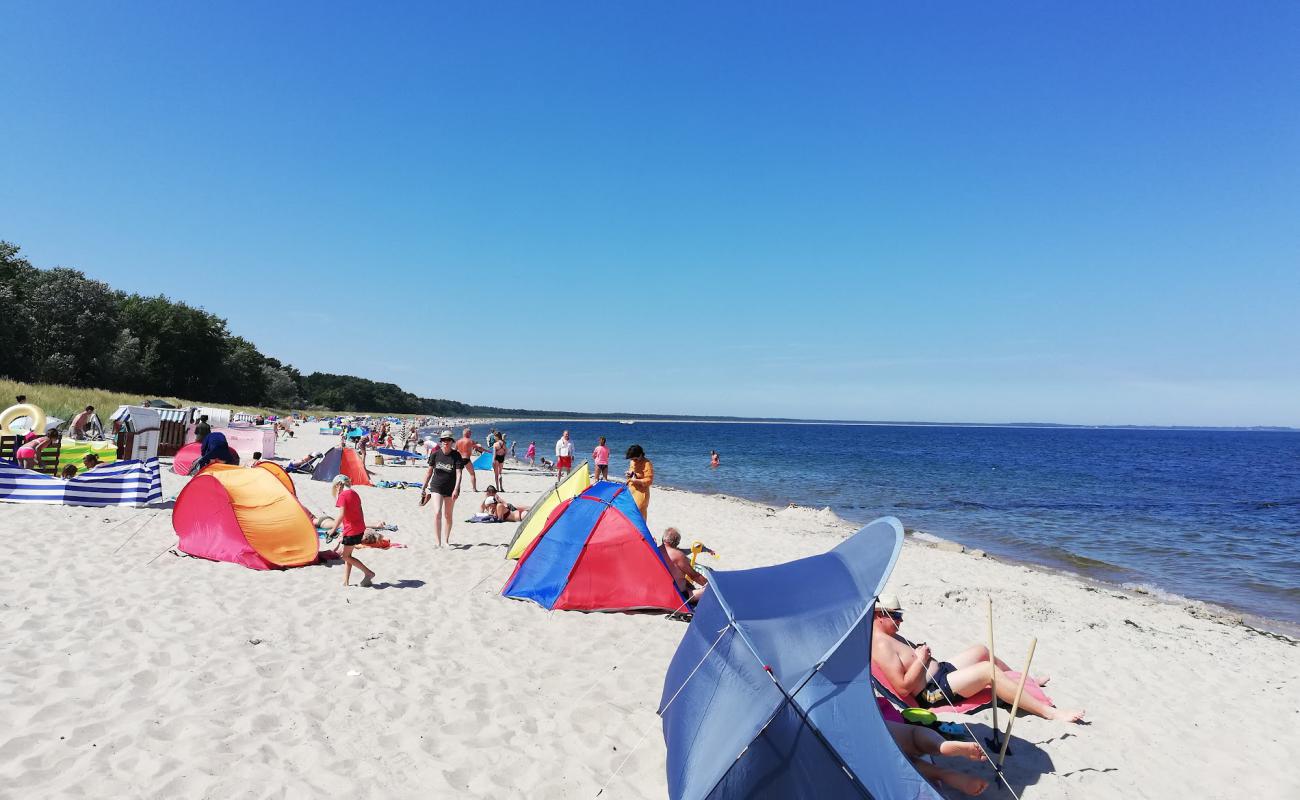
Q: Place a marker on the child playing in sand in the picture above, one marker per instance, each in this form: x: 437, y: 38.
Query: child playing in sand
x: 353, y: 524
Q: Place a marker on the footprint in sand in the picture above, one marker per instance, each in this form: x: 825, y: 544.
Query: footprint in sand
x: 145, y: 679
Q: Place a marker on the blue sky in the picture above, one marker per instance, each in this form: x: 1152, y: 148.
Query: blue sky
x: 962, y: 212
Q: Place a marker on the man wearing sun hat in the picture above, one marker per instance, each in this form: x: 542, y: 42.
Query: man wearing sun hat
x: 909, y: 670
x: 442, y: 484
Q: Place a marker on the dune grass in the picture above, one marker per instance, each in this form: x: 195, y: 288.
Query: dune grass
x: 64, y: 402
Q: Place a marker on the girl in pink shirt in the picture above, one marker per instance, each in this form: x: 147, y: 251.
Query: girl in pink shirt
x: 600, y: 457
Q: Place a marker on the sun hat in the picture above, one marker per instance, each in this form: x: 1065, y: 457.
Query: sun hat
x: 341, y: 479
x: 888, y: 602
x: 446, y: 435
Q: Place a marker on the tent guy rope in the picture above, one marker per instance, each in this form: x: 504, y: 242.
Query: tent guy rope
x: 673, y: 699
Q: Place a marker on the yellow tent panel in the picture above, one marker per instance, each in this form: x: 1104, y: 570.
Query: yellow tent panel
x: 531, y: 525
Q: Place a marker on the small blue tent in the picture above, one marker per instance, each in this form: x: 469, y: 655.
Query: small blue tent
x: 483, y: 461
x: 770, y: 694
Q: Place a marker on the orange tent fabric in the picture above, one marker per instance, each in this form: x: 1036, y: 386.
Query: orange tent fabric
x: 245, y: 516
x: 341, y: 461
x: 279, y: 473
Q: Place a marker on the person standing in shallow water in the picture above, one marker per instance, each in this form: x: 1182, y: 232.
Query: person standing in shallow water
x: 640, y: 475
x: 714, y: 459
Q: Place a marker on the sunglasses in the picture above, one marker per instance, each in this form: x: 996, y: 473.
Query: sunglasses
x: 896, y: 616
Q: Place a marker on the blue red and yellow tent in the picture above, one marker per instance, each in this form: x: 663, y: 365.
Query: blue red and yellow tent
x: 595, y: 554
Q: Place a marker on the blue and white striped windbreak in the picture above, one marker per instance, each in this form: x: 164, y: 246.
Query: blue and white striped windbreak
x: 124, y: 483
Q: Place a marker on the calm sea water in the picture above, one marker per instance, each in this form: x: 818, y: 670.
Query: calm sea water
x: 1212, y: 515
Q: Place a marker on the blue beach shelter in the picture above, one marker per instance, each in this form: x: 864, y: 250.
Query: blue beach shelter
x: 483, y: 461
x: 770, y: 694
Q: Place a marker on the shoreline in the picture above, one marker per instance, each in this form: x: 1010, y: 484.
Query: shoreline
x: 1201, y: 609
x: 1204, y: 609
x: 1017, y: 425
x: 1149, y: 564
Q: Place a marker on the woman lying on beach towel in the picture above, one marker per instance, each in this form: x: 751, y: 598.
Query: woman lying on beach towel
x: 495, y: 505
x: 324, y: 522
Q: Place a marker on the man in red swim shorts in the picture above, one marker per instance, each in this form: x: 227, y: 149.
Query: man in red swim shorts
x: 563, y: 456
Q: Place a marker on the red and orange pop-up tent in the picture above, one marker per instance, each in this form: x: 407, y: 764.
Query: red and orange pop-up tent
x: 247, y: 516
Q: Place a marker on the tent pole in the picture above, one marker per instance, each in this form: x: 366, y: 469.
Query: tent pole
x: 857, y: 784
x: 1015, y: 706
x: 993, y: 677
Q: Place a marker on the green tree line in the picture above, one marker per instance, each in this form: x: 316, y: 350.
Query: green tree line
x: 58, y: 326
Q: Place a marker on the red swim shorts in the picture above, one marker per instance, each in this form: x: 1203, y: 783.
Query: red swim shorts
x: 564, y: 462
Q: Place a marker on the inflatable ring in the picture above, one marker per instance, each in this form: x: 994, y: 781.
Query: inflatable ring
x: 13, y: 413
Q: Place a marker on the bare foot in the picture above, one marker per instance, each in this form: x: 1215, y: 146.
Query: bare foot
x: 366, y: 580
x: 966, y: 784
x: 969, y: 750
x: 1041, y: 680
x: 1066, y: 715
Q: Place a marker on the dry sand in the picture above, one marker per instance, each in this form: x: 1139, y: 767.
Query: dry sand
x: 127, y: 671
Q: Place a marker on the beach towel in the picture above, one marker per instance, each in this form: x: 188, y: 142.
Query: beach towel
x: 965, y: 705
x: 383, y: 543
x: 388, y: 451
x: 484, y: 518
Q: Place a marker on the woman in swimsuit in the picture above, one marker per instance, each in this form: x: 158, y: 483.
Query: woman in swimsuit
x: 496, y: 505
x: 29, y: 455
x: 499, y: 458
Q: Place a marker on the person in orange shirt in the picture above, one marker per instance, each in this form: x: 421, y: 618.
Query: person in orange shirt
x: 640, y: 475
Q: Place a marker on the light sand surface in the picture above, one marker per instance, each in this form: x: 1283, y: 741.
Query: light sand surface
x: 126, y: 671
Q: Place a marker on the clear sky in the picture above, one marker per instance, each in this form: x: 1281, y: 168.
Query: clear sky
x: 1065, y: 212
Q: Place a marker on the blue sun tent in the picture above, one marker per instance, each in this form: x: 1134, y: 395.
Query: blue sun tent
x: 483, y: 461
x: 770, y: 694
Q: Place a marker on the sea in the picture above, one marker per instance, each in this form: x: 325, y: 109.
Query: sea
x: 1211, y: 515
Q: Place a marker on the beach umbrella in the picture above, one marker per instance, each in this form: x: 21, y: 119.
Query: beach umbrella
x: 770, y: 694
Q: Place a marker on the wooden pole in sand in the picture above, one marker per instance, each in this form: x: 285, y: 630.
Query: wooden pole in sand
x: 1015, y: 706
x: 993, y: 672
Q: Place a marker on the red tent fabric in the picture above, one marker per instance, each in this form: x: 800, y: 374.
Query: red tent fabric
x: 341, y: 461
x: 187, y: 455
x: 595, y: 554
x: 244, y: 516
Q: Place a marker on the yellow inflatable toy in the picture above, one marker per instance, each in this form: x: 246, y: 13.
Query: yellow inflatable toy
x: 696, y: 549
x: 12, y: 414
